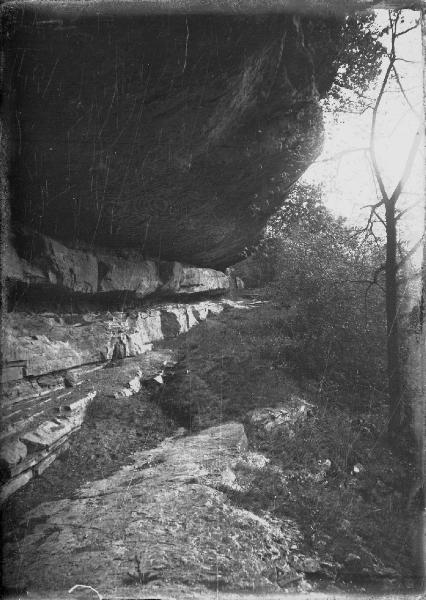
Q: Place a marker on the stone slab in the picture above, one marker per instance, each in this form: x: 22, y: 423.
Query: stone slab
x: 14, y: 484
x: 165, y: 507
x: 12, y: 453
x: 47, y: 434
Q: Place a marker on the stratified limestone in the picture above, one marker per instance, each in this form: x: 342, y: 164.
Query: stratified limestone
x: 38, y: 260
x: 54, y: 343
x: 27, y: 450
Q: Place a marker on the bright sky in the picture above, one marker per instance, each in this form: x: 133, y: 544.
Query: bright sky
x: 348, y: 181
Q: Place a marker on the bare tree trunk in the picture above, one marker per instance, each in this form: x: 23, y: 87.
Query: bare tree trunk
x: 393, y: 338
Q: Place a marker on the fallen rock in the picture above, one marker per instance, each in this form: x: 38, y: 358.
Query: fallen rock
x: 12, y: 453
x: 48, y: 433
x: 284, y: 416
x: 287, y: 577
x: 163, y: 510
x: 241, y: 474
x: 46, y: 438
x: 37, y: 448
x: 70, y: 379
x: 307, y: 565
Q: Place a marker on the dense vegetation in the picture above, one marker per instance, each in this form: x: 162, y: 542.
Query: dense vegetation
x: 325, y: 272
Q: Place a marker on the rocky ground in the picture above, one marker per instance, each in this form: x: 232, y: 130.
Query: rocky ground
x: 230, y: 476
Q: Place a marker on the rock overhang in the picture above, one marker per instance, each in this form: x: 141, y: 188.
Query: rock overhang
x: 177, y: 135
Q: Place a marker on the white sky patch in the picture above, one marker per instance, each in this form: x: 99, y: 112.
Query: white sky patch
x: 348, y: 181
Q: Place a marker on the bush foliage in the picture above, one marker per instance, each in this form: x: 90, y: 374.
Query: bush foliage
x: 324, y: 275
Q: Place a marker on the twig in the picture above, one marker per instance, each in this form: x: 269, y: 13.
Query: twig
x: 368, y: 229
x: 413, y: 62
x: 403, y: 91
x: 408, y: 29
x: 406, y: 210
x: 407, y: 170
x: 341, y: 154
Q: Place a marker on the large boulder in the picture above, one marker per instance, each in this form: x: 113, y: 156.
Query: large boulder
x: 175, y: 134
x: 160, y: 521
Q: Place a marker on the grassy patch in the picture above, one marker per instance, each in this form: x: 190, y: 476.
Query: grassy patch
x: 335, y: 475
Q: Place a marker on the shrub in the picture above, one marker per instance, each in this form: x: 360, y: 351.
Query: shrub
x: 337, y: 321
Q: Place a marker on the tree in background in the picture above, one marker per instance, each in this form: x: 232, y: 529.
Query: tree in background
x: 359, y: 61
x: 350, y: 93
x: 386, y: 211
x: 303, y: 220
x: 336, y: 331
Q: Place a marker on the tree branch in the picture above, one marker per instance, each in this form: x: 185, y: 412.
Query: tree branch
x: 403, y: 91
x: 373, y: 128
x: 368, y: 229
x: 413, y: 62
x: 341, y: 154
x: 401, y: 213
x: 407, y: 170
x: 408, y: 29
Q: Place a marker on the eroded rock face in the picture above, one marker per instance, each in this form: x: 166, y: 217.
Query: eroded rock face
x: 177, y: 135
x: 38, y: 260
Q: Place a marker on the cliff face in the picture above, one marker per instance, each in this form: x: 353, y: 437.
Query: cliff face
x: 174, y: 135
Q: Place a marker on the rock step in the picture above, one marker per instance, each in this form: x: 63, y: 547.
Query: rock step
x: 47, y: 343
x: 169, y: 503
x: 18, y: 394
x: 31, y: 408
x: 32, y: 443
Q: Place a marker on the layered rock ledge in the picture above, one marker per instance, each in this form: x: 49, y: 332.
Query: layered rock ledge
x: 43, y: 262
x: 54, y: 366
x: 49, y: 342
